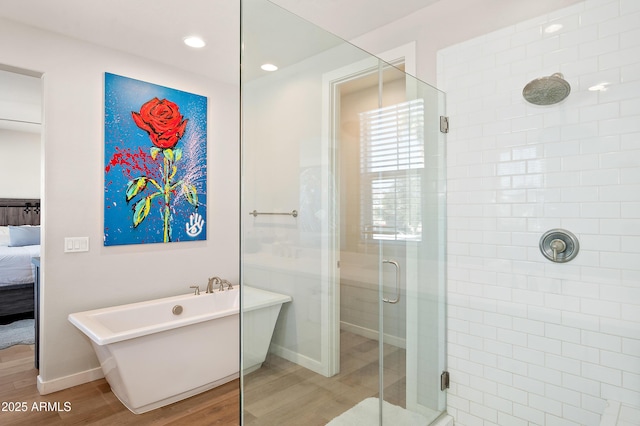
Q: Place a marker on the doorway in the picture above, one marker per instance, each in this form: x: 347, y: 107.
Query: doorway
x: 360, y: 231
x: 20, y: 207
x: 388, y: 166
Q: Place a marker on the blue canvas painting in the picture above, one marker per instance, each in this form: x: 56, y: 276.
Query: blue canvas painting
x: 155, y: 173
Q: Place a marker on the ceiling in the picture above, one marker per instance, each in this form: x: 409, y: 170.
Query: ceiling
x: 154, y: 29
x: 151, y: 28
x: 351, y: 18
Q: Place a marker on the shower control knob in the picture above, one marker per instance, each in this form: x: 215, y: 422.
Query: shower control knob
x: 559, y: 245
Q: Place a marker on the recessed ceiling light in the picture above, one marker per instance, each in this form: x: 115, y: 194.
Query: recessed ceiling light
x: 194, y: 41
x: 269, y: 67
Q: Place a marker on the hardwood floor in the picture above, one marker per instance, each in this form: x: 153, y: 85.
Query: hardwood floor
x: 283, y: 393
x: 280, y: 393
x: 94, y: 404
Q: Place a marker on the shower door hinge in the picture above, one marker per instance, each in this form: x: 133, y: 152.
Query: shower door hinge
x: 444, y: 380
x: 444, y: 124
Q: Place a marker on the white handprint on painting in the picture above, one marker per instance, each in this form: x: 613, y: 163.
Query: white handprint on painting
x: 195, y: 225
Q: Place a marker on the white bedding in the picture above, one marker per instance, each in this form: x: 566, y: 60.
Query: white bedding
x: 16, y: 266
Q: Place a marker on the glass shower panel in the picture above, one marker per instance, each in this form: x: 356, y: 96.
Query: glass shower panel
x: 406, y: 158
x: 425, y: 209
x: 323, y: 224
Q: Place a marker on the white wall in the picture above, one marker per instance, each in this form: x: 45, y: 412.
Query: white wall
x: 19, y: 164
x: 530, y: 341
x: 73, y: 193
x: 285, y: 160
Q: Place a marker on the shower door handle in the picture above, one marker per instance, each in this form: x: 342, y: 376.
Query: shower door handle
x: 392, y: 301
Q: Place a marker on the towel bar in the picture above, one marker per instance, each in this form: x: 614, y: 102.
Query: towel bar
x: 293, y: 213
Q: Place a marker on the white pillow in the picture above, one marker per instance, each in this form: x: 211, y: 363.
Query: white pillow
x: 24, y: 235
x: 4, y: 236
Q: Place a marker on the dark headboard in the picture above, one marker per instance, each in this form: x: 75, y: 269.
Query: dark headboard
x: 19, y: 211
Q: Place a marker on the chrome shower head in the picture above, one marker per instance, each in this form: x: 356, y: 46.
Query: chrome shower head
x: 547, y: 90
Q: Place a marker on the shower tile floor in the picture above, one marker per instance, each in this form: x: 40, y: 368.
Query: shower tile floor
x: 284, y: 393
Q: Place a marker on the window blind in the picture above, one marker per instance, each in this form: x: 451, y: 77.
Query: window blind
x: 391, y: 159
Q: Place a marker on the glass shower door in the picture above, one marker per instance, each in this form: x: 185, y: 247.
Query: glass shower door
x: 402, y: 159
x: 362, y: 257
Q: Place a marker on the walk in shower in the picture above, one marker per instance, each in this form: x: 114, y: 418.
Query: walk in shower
x: 343, y: 209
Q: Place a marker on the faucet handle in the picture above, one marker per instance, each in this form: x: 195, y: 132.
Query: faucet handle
x: 229, y: 286
x: 197, y: 289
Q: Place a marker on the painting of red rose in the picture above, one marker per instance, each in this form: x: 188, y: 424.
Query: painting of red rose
x: 155, y: 163
x: 161, y: 119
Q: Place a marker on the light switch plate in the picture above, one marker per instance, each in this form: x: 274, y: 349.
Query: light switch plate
x: 76, y: 244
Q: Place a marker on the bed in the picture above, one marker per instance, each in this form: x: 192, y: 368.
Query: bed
x: 19, y: 244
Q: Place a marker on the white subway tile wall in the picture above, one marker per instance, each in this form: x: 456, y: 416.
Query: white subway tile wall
x: 531, y: 342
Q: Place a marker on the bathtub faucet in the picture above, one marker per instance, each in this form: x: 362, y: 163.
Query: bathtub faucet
x: 229, y: 286
x: 212, y: 281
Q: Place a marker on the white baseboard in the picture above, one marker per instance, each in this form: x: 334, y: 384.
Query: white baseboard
x: 373, y: 334
x: 302, y: 360
x: 66, y: 382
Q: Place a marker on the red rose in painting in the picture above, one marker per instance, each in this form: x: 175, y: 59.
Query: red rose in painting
x: 162, y: 120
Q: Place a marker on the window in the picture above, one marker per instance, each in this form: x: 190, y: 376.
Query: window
x: 391, y: 163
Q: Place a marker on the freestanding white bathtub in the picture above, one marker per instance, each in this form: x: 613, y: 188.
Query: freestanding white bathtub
x: 157, y: 352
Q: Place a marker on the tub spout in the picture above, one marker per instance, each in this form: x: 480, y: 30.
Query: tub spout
x: 229, y: 286
x: 212, y: 281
